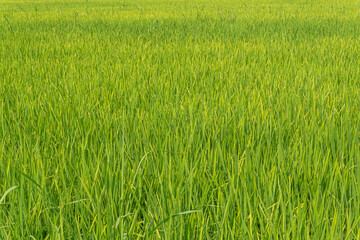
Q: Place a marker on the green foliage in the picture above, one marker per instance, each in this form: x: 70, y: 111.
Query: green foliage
x: 179, y: 120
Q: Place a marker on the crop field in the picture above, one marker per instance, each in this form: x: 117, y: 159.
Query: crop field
x: 213, y: 119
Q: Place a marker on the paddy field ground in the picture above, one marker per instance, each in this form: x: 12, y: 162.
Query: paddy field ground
x: 180, y: 119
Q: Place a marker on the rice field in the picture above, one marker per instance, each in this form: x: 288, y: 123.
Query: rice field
x: 188, y: 119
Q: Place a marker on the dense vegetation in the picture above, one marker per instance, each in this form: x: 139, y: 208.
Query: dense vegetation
x: 180, y: 120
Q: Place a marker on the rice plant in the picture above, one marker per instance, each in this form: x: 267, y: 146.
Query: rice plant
x: 189, y: 119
